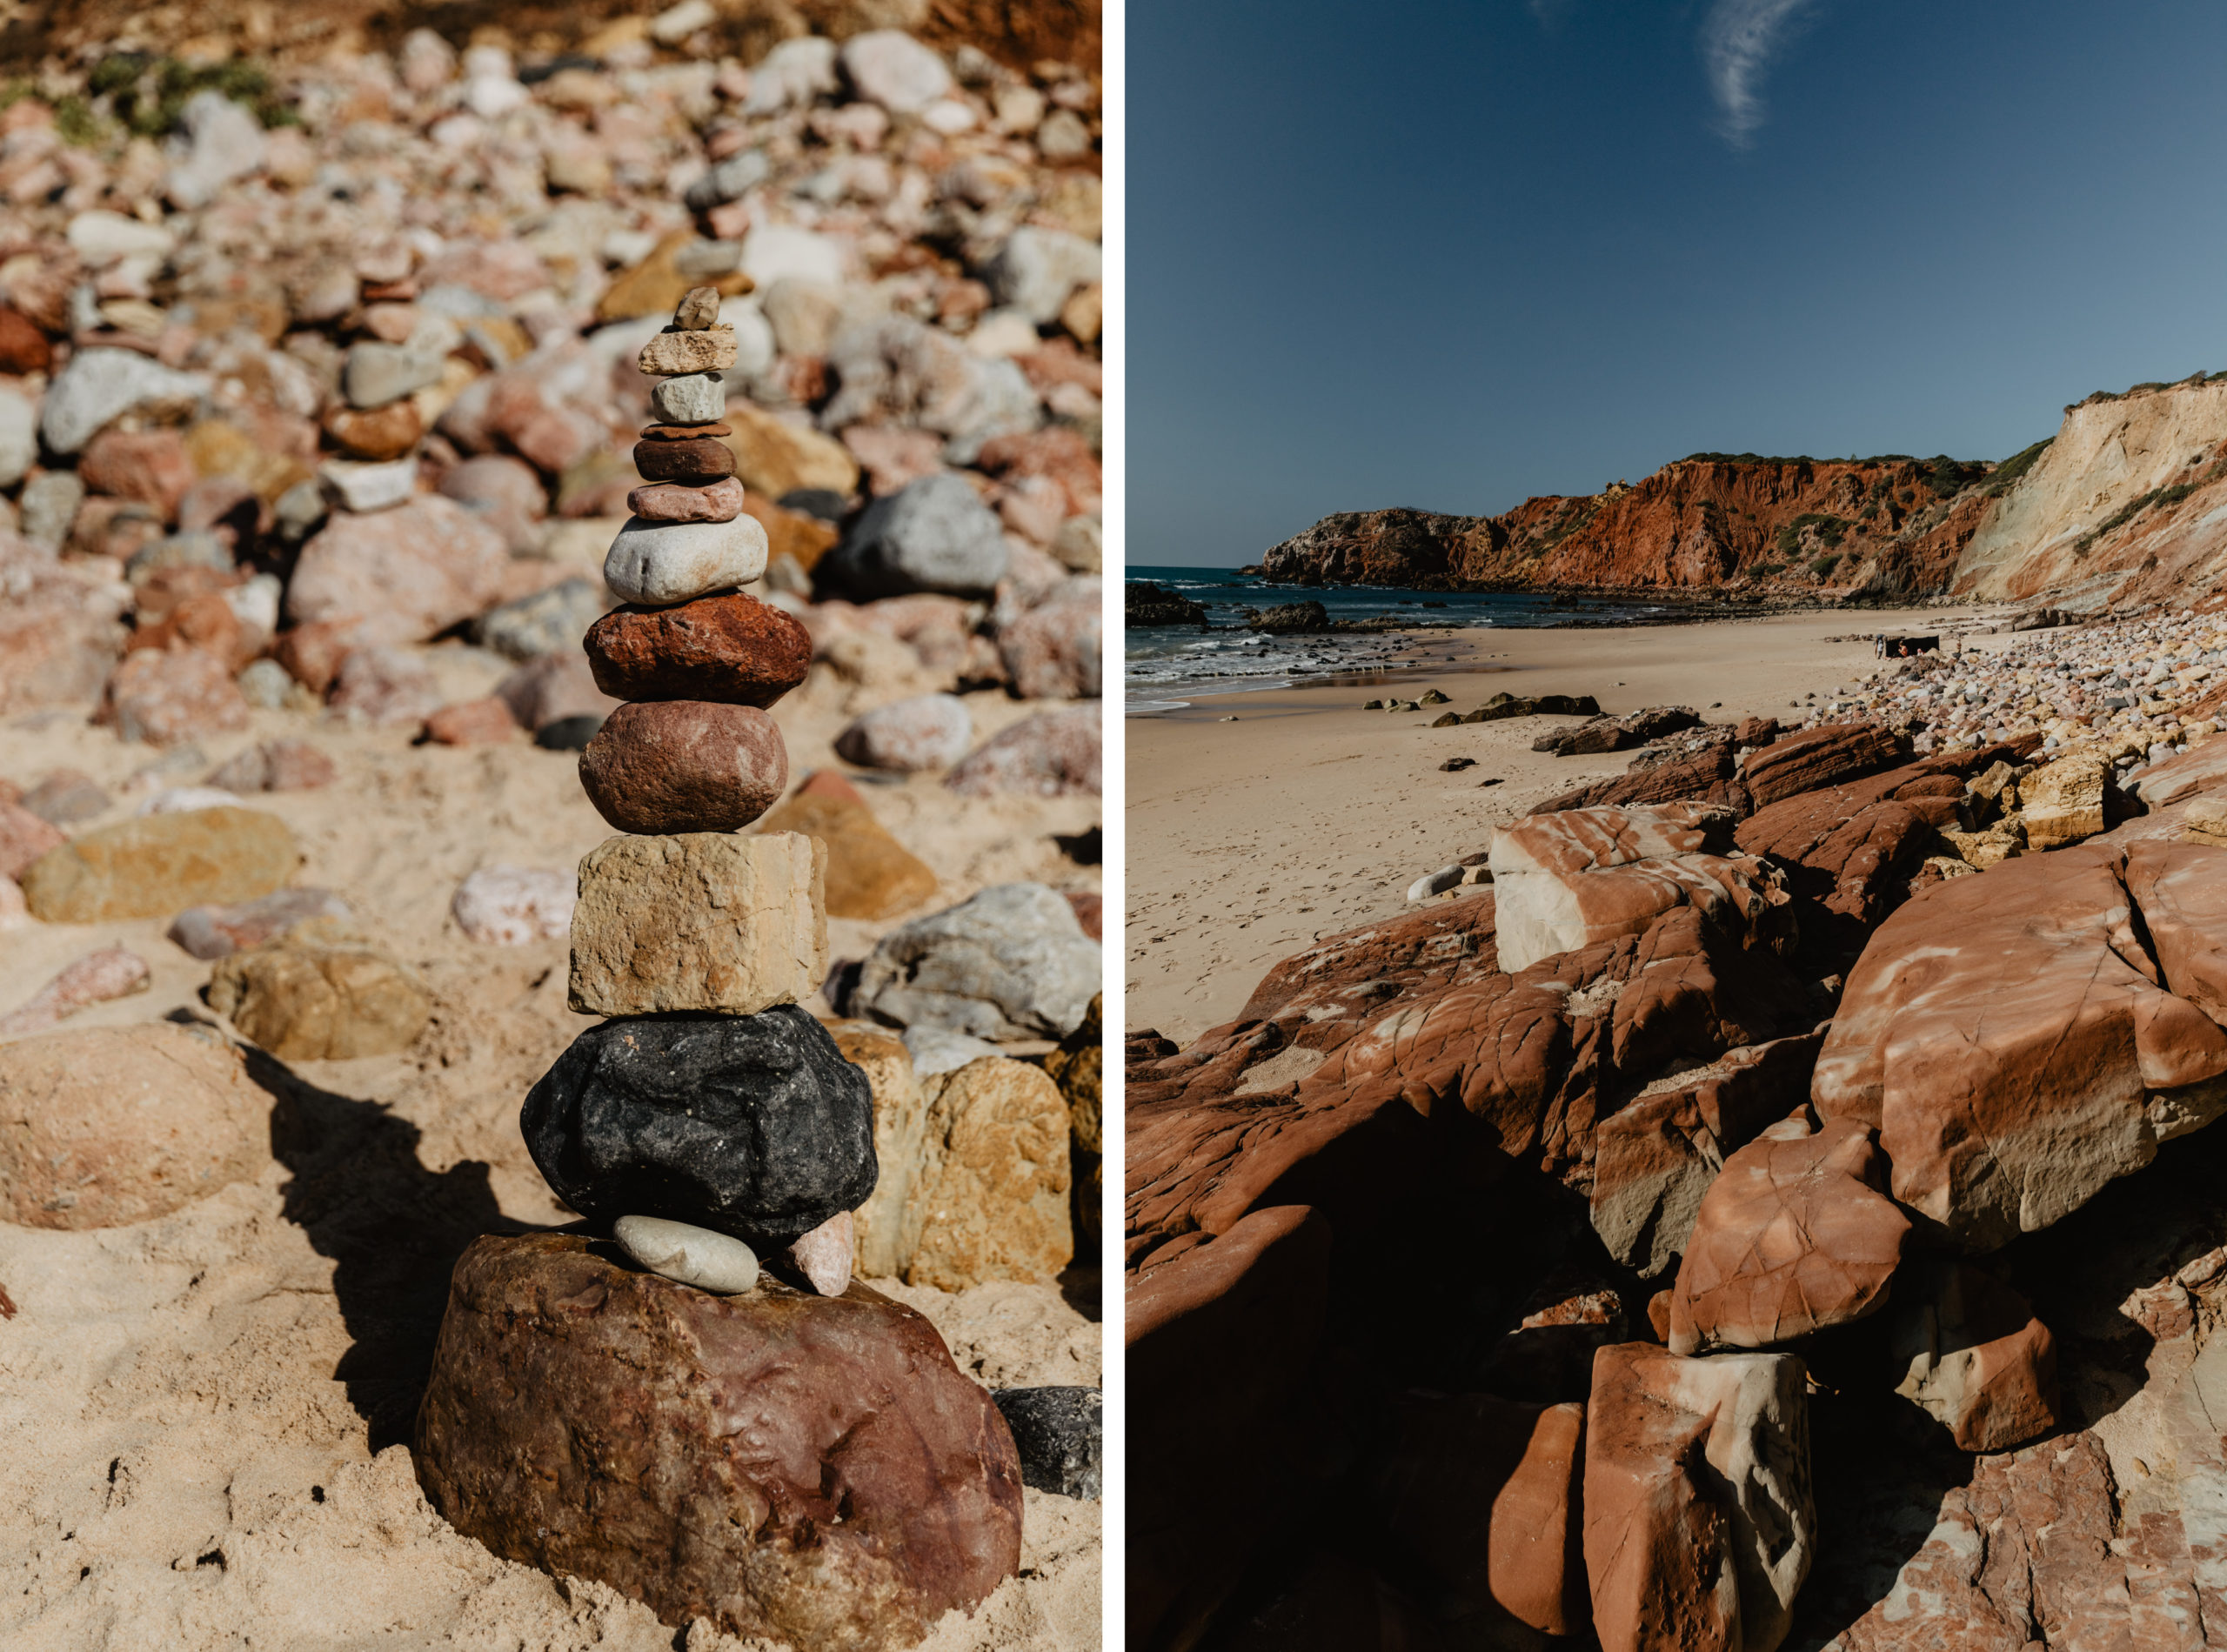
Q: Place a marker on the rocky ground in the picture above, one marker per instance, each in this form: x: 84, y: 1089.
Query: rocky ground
x: 319, y: 389
x: 1828, y: 1090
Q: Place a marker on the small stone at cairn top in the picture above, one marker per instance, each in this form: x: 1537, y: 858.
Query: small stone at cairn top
x: 698, y: 309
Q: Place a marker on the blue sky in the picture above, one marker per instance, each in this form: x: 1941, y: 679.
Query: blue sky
x: 1450, y: 254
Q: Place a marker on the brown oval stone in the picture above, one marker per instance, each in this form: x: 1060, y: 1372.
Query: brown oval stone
x: 24, y: 348
x: 682, y: 432
x: 678, y: 501
x: 671, y: 766
x: 706, y: 459
x: 731, y: 649
x: 377, y: 433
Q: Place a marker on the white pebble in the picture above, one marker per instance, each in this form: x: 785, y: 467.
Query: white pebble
x: 188, y: 800
x: 1434, y: 883
x: 663, y: 563
x: 716, y: 1262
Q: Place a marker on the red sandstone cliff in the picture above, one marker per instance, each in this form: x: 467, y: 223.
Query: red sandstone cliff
x: 1893, y: 527
x: 2125, y: 506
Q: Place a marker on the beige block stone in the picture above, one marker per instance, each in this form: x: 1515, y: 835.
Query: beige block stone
x: 900, y: 1117
x: 989, y: 1197
x: 2064, y: 802
x: 707, y: 350
x: 700, y: 920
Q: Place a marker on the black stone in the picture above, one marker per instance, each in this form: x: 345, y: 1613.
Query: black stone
x: 568, y: 733
x: 1146, y: 604
x: 753, y: 1125
x: 823, y: 502
x: 1061, y: 1437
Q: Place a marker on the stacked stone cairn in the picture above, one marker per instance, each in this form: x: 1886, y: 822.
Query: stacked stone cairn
x: 686, y: 919
x: 776, y: 1449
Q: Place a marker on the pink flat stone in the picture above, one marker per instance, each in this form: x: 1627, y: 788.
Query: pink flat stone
x: 679, y: 502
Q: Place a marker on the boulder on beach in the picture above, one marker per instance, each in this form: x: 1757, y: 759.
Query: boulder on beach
x: 812, y: 1470
x: 114, y: 1125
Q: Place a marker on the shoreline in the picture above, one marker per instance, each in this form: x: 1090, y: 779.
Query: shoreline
x: 1304, y: 816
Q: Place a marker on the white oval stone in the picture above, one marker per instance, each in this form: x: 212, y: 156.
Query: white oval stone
x: 692, y: 399
x: 662, y: 562
x: 710, y: 1261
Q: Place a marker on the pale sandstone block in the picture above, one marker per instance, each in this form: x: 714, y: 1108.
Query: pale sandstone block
x: 700, y: 921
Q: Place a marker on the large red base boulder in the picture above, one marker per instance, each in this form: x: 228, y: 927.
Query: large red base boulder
x: 812, y: 1469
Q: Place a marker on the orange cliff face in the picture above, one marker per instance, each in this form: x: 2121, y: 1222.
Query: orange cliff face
x: 1893, y: 527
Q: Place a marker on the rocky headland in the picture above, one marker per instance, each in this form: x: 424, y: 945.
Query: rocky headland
x: 2117, y: 509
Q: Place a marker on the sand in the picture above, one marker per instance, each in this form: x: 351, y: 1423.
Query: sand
x: 1308, y: 816
x: 202, y: 1415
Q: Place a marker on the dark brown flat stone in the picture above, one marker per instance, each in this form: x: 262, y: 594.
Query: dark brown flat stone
x: 682, y: 432
x: 707, y: 460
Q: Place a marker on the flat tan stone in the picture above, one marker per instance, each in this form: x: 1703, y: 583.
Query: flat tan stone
x: 320, y: 993
x: 990, y: 1195
x: 2064, y: 802
x: 707, y: 350
x: 700, y: 921
x: 156, y: 866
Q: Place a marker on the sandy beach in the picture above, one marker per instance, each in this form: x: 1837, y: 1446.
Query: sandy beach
x: 207, y: 1413
x: 1308, y: 816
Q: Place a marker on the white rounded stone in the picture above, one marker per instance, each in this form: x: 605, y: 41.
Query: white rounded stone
x: 692, y: 399
x: 710, y: 1261
x: 659, y: 563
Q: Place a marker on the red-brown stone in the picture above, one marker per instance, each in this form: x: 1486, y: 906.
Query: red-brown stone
x: 815, y: 1470
x: 2009, y: 1036
x: 1482, y: 1493
x: 732, y: 648
x: 673, y: 765
x: 24, y: 348
x: 1699, y: 1522
x: 151, y: 466
x: 376, y: 433
x: 682, y: 432
x: 1795, y: 1236
x: 472, y: 722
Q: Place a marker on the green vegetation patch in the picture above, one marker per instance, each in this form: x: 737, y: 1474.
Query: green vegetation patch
x: 147, y: 94
x: 1830, y: 529
x: 2000, y: 478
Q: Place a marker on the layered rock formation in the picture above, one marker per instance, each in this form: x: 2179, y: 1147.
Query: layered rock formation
x: 1794, y: 1105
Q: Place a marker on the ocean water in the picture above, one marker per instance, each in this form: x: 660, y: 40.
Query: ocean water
x: 1160, y: 664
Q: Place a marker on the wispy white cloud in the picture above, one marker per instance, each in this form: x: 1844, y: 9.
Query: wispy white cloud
x: 1740, y: 39
x: 1549, y: 11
